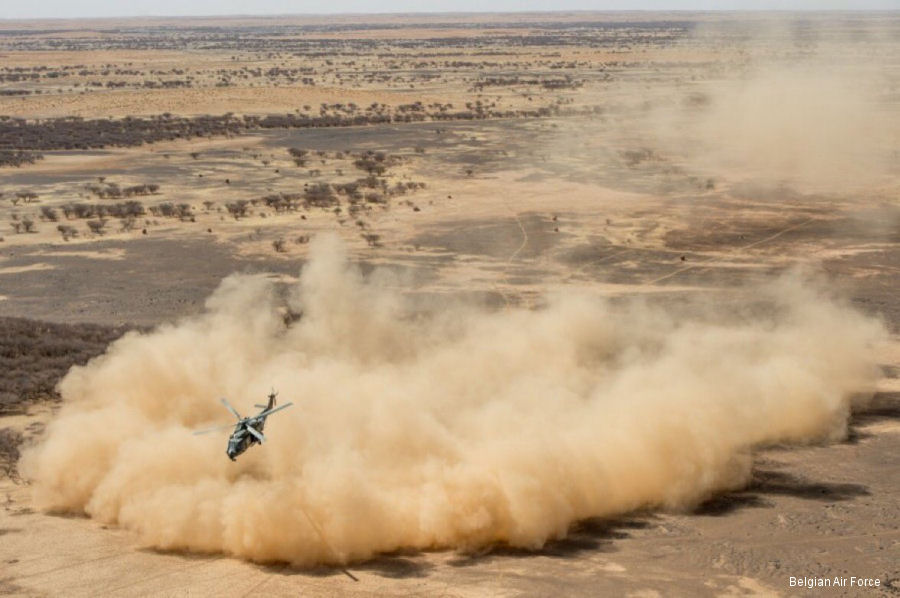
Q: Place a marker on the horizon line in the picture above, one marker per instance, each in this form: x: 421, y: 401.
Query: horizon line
x: 469, y: 12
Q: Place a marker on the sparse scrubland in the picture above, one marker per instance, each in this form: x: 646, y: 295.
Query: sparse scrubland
x: 35, y: 355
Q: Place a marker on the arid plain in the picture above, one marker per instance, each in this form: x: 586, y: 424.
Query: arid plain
x: 680, y: 230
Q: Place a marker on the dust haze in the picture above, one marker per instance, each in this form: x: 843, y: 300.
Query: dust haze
x: 797, y: 107
x: 452, y: 427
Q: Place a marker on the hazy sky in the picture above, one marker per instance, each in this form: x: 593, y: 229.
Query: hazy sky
x: 13, y: 9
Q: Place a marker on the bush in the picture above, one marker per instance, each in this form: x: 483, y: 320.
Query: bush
x: 299, y: 155
x: 49, y: 214
x: 238, y: 209
x: 372, y: 239
x: 96, y: 226
x: 375, y: 197
x: 320, y: 195
x: 67, y: 231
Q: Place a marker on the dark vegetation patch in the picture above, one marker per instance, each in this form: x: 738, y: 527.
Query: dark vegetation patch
x: 291, y: 39
x: 14, y: 157
x: 35, y: 355
x: 350, y: 201
x: 97, y: 215
x: 547, y: 83
x: 22, y: 141
x: 114, y: 191
x: 10, y: 440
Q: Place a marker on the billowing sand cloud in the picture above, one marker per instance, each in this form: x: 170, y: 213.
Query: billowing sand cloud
x: 457, y: 428
x: 795, y: 106
x: 813, y: 125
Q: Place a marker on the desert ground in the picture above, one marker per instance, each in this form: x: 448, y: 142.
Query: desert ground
x: 495, y: 162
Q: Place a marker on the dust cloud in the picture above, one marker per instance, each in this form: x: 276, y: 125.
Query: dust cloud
x: 798, y: 105
x: 814, y: 126
x: 455, y: 427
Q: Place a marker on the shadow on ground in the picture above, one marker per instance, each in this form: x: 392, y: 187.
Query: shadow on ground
x: 883, y: 406
x: 769, y: 482
x: 589, y: 535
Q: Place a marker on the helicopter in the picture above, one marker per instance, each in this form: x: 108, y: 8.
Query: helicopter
x: 248, y: 430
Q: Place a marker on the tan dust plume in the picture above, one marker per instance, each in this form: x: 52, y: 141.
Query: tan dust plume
x: 814, y: 111
x: 817, y: 126
x: 455, y: 428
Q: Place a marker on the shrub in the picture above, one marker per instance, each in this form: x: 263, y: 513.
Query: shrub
x: 320, y: 195
x: 67, y: 231
x: 372, y: 239
x: 48, y: 213
x: 238, y: 209
x: 96, y: 226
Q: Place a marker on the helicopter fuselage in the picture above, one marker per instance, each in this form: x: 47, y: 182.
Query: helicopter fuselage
x: 241, y: 439
x: 248, y: 430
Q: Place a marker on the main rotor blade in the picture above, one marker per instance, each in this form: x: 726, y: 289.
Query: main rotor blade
x: 232, y: 409
x: 253, y: 431
x: 271, y: 411
x: 215, y: 429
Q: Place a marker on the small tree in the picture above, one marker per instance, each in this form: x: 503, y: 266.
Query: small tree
x: 96, y: 226
x: 48, y: 213
x: 128, y: 224
x: 237, y: 209
x: 67, y: 231
x: 372, y: 239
